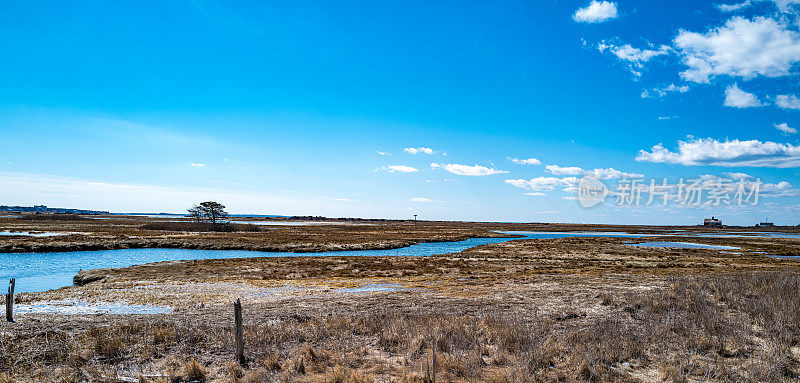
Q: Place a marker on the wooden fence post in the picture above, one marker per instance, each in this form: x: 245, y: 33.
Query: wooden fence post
x: 237, y: 316
x: 435, y: 344
x: 10, y: 301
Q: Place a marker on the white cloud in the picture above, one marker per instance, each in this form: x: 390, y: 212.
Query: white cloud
x: 633, y: 55
x: 565, y: 170
x: 422, y: 150
x: 611, y: 173
x: 780, y: 189
x: 737, y: 98
x: 468, y: 170
x: 601, y: 173
x: 661, y: 92
x: 536, y: 194
x: 786, y: 6
x: 596, y: 12
x: 663, y: 118
x: 738, y: 176
x: 400, y: 169
x: 543, y: 183
x: 421, y: 199
x: 784, y: 127
x: 383, y: 153
x: 787, y: 101
x: 733, y: 7
x: 733, y: 153
x: 196, y: 165
x: 741, y: 48
x: 528, y: 161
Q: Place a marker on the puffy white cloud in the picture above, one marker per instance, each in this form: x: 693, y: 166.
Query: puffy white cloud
x: 528, y: 161
x: 787, y: 101
x: 543, y: 183
x: 420, y: 149
x: 196, y: 165
x: 421, y: 199
x: 468, y: 170
x: 740, y: 48
x: 735, y: 153
x: 733, y: 7
x: 400, y: 169
x: 601, y: 173
x: 780, y: 189
x: 596, y: 12
x: 737, y: 98
x: 784, y: 127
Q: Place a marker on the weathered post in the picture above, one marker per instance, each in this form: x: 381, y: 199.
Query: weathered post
x: 237, y: 316
x: 10, y: 301
x: 435, y: 343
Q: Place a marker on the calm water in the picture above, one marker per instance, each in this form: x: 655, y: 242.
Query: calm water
x: 83, y: 308
x: 29, y: 234
x: 682, y: 245
x: 46, y: 271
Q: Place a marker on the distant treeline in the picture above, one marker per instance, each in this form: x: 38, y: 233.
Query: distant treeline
x: 53, y: 217
x: 47, y: 210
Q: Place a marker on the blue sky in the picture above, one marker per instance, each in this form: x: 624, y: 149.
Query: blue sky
x: 307, y: 108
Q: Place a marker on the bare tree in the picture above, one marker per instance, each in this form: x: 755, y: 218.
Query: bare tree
x: 213, y: 211
x: 196, y: 212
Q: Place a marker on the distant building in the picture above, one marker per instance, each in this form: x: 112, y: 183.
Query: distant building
x: 713, y: 222
x: 765, y: 224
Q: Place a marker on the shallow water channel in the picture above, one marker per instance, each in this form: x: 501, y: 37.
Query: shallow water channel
x: 47, y: 271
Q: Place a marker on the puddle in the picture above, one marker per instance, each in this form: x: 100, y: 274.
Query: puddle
x: 83, y: 308
x: 33, y: 234
x: 784, y: 256
x: 682, y: 245
x: 372, y: 288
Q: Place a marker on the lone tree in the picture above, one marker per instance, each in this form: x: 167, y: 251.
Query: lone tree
x: 208, y: 211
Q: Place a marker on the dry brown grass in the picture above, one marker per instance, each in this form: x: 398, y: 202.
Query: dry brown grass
x: 728, y: 327
x: 202, y: 227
